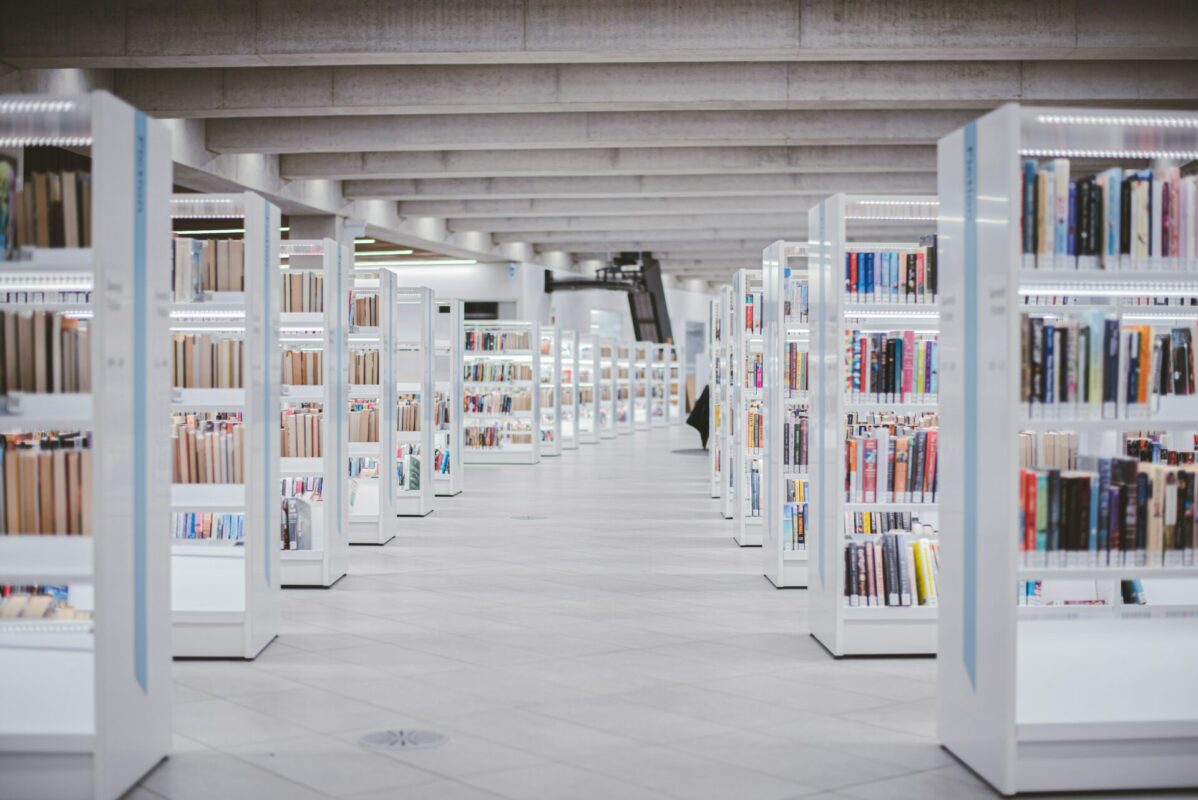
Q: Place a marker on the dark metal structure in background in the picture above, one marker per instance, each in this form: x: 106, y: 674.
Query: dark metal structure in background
x: 638, y: 274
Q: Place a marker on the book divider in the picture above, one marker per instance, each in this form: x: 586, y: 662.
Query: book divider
x: 551, y: 391
x: 314, y: 510
x: 625, y: 374
x: 225, y: 566
x: 588, y: 389
x: 1060, y: 651
x: 371, y: 437
x: 448, y: 368
x: 713, y: 396
x: 659, y: 359
x: 728, y: 373
x: 414, y: 383
x: 748, y: 455
x: 676, y: 386
x: 607, y: 387
x: 569, y: 393
x: 874, y: 362
x: 787, y: 412
x: 502, y: 389
x: 86, y: 693
x: 642, y: 358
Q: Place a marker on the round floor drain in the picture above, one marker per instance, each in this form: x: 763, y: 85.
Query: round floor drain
x: 400, y: 739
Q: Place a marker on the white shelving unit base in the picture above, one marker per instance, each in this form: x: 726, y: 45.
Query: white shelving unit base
x: 882, y: 631
x: 793, y: 572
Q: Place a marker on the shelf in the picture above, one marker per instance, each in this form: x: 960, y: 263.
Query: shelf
x: 1105, y: 573
x: 46, y: 411
x: 890, y: 506
x: 496, y: 354
x: 207, y: 399
x: 1130, y: 282
x: 208, y: 497
x: 366, y: 390
x: 208, y: 548
x: 289, y: 465
x: 874, y: 613
x: 407, y: 436
x: 794, y: 555
x: 896, y: 406
x: 302, y: 319
x: 34, y: 559
x: 501, y: 384
x: 290, y: 392
x: 364, y: 449
x: 50, y: 259
x: 1121, y: 425
x: 892, y: 310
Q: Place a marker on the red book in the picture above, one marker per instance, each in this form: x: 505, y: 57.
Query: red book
x: 869, y: 475
x: 749, y: 313
x: 852, y: 273
x: 929, y: 463
x: 1028, y: 484
x: 920, y: 277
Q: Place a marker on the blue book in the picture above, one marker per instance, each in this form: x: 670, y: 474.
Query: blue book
x: 1071, y: 241
x: 1111, y: 210
x: 1050, y: 376
x: 1094, y: 493
x: 1029, y: 206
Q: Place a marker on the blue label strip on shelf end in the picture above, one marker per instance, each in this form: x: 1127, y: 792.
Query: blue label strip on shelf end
x: 970, y: 356
x: 140, y: 338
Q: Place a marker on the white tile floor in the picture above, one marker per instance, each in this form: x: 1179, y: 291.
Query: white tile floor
x: 585, y: 628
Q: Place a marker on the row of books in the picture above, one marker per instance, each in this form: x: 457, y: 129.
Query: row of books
x: 895, y: 570
x: 363, y: 421
x: 441, y: 459
x: 796, y: 301
x: 208, y: 525
x: 794, y: 513
x: 207, y: 451
x: 47, y: 484
x: 45, y: 352
x: 303, y: 291
x: 753, y: 496
x: 1118, y: 219
x: 1095, y: 361
x: 407, y: 413
x: 51, y: 209
x: 892, y: 366
x: 754, y: 312
x: 301, y: 431
x: 496, y: 435
x: 892, y: 276
x: 303, y: 367
x: 363, y: 467
x: 296, y: 517
x: 862, y: 523
x: 755, y: 425
x: 441, y: 411
x: 1109, y: 512
x: 204, y: 361
x: 795, y: 368
x: 497, y: 341
x: 754, y: 370
x: 206, y: 265
x: 796, y: 438
x: 35, y: 602
x: 1056, y: 449
x: 9, y: 297
x: 407, y: 467
x: 496, y: 402
x: 496, y: 371
x: 1156, y: 448
x: 891, y: 466
x: 364, y: 367
x: 364, y: 310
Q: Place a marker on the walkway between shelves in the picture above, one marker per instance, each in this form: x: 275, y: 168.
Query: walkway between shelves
x: 585, y: 628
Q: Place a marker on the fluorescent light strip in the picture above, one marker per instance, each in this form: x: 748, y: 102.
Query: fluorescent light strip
x: 1112, y: 119
x: 428, y: 263
x: 1075, y: 291
x: 45, y: 141
x: 897, y: 314
x: 216, y: 231
x: 1161, y: 317
x: 36, y: 106
x: 207, y: 329
x: 372, y: 253
x: 1174, y: 155
x: 888, y: 218
x: 895, y: 202
x: 213, y: 314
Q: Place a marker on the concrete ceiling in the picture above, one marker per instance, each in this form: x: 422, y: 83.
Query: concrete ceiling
x: 562, y: 130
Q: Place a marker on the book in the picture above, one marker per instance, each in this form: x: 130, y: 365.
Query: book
x: 47, y: 484
x: 892, y: 569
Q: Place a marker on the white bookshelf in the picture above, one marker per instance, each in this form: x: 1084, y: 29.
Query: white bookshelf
x: 676, y: 386
x: 568, y: 411
x: 447, y: 326
x: 713, y: 405
x: 840, y: 224
x: 327, y: 332
x: 86, y: 703
x: 414, y: 343
x: 624, y: 418
x: 551, y: 390
x: 372, y: 465
x: 660, y: 357
x: 588, y: 389
x: 497, y: 436
x: 725, y: 376
x: 607, y: 388
x: 1051, y: 698
x: 787, y: 402
x: 225, y: 594
x: 642, y: 366
x: 748, y: 461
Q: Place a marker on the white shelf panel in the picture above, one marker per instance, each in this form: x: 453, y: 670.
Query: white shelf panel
x: 34, y: 411
x: 496, y: 354
x: 301, y: 319
x: 875, y: 613
x: 32, y: 559
x: 290, y: 392
x: 1105, y: 573
x: 407, y: 436
x: 50, y: 259
x: 364, y: 449
x: 208, y: 399
x: 890, y: 507
x: 500, y: 384
x: 208, y: 497
x: 1123, y: 424
x: 895, y: 406
x: 301, y: 466
x: 366, y: 390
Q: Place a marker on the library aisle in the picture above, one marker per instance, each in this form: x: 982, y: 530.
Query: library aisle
x: 589, y: 630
